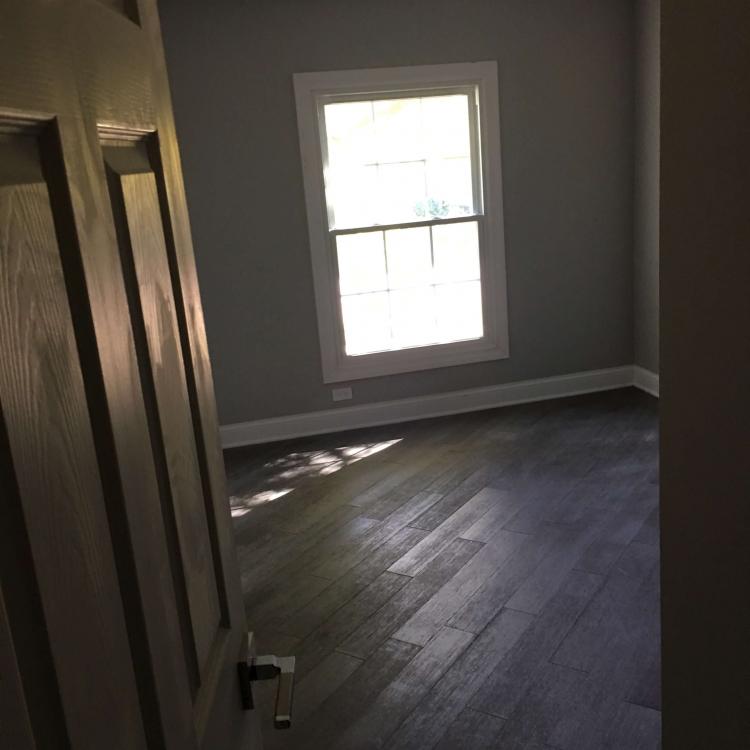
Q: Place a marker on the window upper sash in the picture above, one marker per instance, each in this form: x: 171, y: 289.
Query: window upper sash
x: 337, y: 180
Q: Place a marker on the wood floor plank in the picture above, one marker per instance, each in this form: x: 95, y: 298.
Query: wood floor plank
x: 646, y: 688
x: 408, y: 477
x: 392, y: 705
x: 472, y: 730
x: 435, y: 475
x: 568, y: 708
x: 495, y: 592
x: 493, y: 522
x: 338, y: 561
x: 312, y: 615
x: 430, y: 720
x: 645, y: 618
x: 440, y: 607
x: 601, y: 625
x: 386, y: 486
x: 634, y: 728
x: 258, y: 568
x: 321, y: 682
x: 345, y: 706
x: 394, y: 613
x: 263, y: 543
x: 602, y: 536
x: 477, y: 479
x: 290, y: 506
x: 649, y: 531
x: 309, y: 694
x: 299, y: 555
x: 546, y: 704
x: 503, y: 690
x: 615, y: 660
x: 585, y: 717
x: 312, y: 497
x: 286, y: 597
x: 542, y: 584
x: 316, y: 646
x: 313, y: 507
x: 421, y: 554
x: 588, y: 496
x: 621, y: 528
x: 629, y: 445
x: 537, y: 497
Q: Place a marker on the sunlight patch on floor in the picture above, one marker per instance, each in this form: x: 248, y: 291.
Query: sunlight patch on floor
x: 285, y: 471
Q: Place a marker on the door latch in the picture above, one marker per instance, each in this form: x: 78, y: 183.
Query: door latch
x: 268, y: 668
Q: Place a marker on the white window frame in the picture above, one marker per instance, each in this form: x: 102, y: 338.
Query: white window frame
x: 312, y: 91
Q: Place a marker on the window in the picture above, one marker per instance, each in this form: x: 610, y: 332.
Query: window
x: 404, y: 202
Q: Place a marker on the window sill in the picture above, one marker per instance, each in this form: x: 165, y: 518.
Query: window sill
x: 413, y: 360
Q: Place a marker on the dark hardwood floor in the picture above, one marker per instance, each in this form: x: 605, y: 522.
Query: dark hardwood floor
x: 479, y: 581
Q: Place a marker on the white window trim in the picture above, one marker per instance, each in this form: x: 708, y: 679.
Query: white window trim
x: 337, y: 365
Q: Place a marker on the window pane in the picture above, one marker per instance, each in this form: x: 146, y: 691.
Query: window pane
x: 402, y: 192
x: 366, y: 323
x: 361, y: 262
x: 456, y: 251
x: 446, y: 125
x: 353, y: 195
x: 398, y: 130
x: 409, y: 257
x: 449, y: 186
x: 459, y: 311
x: 413, y: 317
x: 351, y: 133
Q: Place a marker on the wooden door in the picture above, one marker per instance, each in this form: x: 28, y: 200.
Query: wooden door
x: 121, y: 617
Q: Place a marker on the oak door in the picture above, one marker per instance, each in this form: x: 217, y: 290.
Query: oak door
x: 121, y: 617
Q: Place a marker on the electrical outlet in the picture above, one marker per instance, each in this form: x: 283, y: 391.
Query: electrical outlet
x: 341, y: 394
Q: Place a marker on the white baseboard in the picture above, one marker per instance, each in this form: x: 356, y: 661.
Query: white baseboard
x: 423, y: 407
x: 646, y: 380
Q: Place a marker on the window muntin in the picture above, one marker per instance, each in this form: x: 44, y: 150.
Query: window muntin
x: 402, y: 176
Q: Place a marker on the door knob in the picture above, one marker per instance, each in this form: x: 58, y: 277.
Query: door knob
x: 269, y: 667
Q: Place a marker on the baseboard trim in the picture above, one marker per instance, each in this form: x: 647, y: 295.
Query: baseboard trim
x: 424, y: 407
x: 646, y: 380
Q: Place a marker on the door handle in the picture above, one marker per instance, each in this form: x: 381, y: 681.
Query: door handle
x: 269, y: 667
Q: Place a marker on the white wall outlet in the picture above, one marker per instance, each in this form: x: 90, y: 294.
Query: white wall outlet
x: 341, y: 394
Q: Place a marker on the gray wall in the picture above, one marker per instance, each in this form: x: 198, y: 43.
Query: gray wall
x: 646, y: 207
x: 566, y: 100
x: 705, y: 372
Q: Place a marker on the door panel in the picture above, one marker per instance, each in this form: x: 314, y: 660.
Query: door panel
x: 121, y: 609
x: 135, y: 206
x: 142, y: 520
x: 52, y: 449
